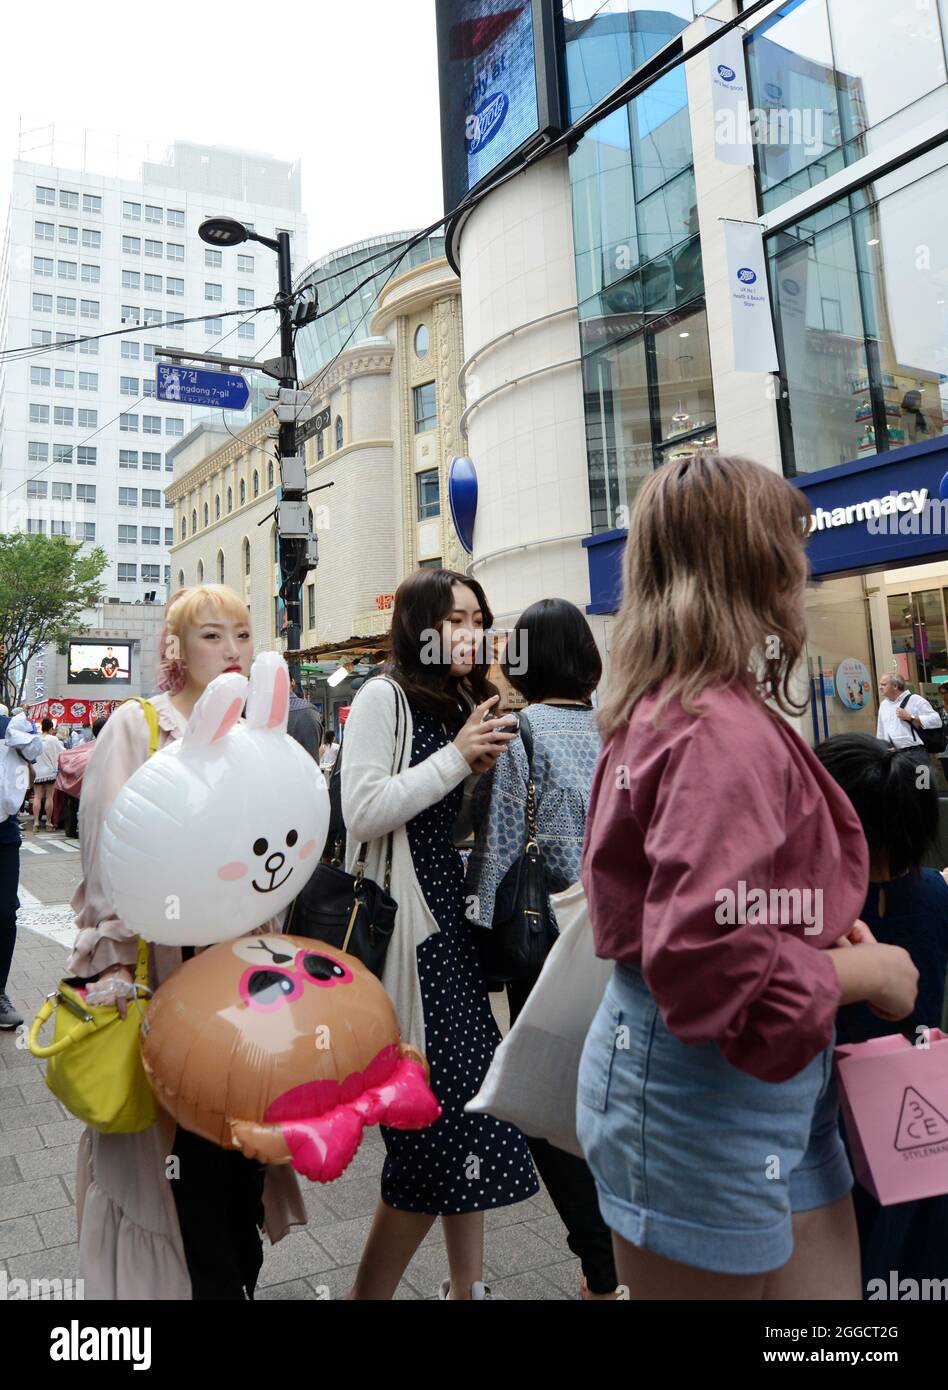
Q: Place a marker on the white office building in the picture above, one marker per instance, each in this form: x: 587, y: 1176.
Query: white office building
x: 94, y: 244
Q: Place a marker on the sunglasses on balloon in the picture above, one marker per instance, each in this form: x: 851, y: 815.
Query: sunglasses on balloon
x: 268, y: 987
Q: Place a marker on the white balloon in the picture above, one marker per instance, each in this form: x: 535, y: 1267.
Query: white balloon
x: 220, y: 830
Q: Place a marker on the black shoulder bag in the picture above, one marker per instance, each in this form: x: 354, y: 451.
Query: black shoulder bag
x: 349, y: 911
x: 933, y: 740
x: 524, y: 928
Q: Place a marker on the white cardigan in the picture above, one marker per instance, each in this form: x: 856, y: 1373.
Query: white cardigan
x: 374, y: 801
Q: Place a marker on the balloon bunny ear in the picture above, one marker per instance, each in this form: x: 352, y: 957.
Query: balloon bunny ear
x: 217, y: 711
x: 268, y: 703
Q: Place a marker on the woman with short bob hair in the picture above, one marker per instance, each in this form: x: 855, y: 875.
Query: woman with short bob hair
x: 725, y: 871
x: 147, y: 1232
x: 415, y: 739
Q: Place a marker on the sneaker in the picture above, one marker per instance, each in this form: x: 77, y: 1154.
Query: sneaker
x: 9, y: 1018
x: 479, y: 1291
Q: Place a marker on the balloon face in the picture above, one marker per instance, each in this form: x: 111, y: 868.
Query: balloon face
x: 220, y: 830
x: 284, y: 1048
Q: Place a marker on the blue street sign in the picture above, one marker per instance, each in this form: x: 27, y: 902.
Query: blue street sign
x: 190, y: 386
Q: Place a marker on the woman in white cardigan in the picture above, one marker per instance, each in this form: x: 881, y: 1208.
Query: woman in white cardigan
x: 412, y: 743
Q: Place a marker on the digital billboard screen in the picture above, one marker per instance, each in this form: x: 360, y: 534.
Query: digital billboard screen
x: 106, y: 663
x: 492, y: 100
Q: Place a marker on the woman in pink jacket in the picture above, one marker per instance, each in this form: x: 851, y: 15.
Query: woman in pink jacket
x: 725, y: 871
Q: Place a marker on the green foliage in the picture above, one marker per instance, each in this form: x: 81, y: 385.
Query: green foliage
x: 45, y: 583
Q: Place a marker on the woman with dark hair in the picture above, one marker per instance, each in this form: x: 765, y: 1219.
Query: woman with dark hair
x: 552, y: 659
x: 414, y: 737
x: 723, y: 868
x: 906, y: 906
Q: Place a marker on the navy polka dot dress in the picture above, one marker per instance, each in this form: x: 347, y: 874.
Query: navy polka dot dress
x: 462, y: 1162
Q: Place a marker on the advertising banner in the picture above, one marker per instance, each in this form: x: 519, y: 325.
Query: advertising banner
x: 751, y: 320
x: 729, y: 104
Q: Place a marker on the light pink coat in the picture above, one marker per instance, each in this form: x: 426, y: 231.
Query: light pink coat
x: 129, y: 1239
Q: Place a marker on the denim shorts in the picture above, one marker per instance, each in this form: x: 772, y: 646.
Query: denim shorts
x: 694, y: 1159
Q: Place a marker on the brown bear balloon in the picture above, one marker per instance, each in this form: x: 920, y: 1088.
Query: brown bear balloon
x: 285, y: 1049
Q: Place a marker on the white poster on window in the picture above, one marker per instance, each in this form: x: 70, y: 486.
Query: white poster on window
x: 751, y: 321
x: 792, y: 266
x: 729, y: 103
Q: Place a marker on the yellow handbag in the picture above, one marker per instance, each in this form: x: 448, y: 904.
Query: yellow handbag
x: 94, y: 1061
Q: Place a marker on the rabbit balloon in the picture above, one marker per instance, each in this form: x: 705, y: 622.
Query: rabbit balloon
x: 218, y: 831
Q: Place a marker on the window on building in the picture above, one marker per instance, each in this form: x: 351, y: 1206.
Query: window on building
x: 68, y: 199
x: 174, y: 285
x: 128, y: 386
x: 151, y: 461
x: 155, y: 249
x: 85, y: 492
x: 175, y: 217
x: 214, y: 327
x: 212, y: 290
x: 35, y: 527
x: 130, y: 350
x: 311, y: 605
x: 244, y: 265
x: 428, y: 493
x: 213, y: 259
x: 256, y: 483
x: 86, y: 455
x: 245, y: 298
x: 46, y: 196
x: 44, y: 231
x: 184, y: 528
x: 246, y: 330
x: 37, y: 488
x: 149, y: 350
x: 65, y: 379
x: 217, y: 508
x: 151, y: 424
x: 91, y: 239
x: 42, y: 303
x: 339, y: 432
x: 435, y: 564
x: 151, y: 535
x: 206, y: 515
x: 127, y: 573
x: 421, y: 340
x: 63, y: 415
x: 43, y: 266
x: 128, y: 535
x: 175, y: 251
x: 60, y: 528
x: 131, y: 246
x: 151, y: 316
x: 153, y: 284
x: 151, y: 497
x: 320, y: 444
x: 89, y: 308
x: 174, y: 425
x: 132, y: 212
x: 128, y: 424
x: 39, y: 337
x: 173, y: 320
x: 40, y: 376
x: 131, y: 280
x: 88, y: 381
x: 148, y: 387
x: 230, y: 499
x: 39, y: 415
x: 62, y: 492
x: 220, y: 567
x: 152, y: 213
x: 91, y: 274
x: 169, y: 533
x: 88, y: 419
x: 62, y: 453
x: 269, y: 475
x: 243, y: 492
x: 92, y: 202
x: 131, y: 313
x: 67, y: 270
x: 426, y: 407
x: 85, y: 530
x: 246, y: 557
x: 151, y: 574
x: 89, y: 347
x: 128, y: 497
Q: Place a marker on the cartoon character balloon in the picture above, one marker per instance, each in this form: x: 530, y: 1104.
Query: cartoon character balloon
x: 218, y: 831
x: 284, y: 1048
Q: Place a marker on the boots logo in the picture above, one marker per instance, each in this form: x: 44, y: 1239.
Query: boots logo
x: 746, y: 275
x: 725, y: 73
x: 483, y: 125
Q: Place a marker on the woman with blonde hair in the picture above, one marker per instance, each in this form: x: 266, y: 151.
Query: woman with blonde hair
x: 149, y: 1229
x: 725, y: 871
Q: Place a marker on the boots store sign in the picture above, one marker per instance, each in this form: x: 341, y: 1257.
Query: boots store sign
x: 888, y: 510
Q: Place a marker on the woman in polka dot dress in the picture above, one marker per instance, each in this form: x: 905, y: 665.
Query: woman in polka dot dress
x: 411, y: 755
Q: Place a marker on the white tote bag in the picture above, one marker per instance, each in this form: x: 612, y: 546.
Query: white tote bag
x: 531, y: 1082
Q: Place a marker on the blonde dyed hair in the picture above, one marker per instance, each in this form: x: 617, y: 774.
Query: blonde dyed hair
x: 184, y: 611
x: 713, y: 587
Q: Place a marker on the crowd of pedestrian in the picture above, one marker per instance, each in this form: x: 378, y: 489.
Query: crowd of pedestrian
x: 711, y: 1054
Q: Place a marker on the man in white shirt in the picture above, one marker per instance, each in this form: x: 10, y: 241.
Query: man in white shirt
x: 898, y: 721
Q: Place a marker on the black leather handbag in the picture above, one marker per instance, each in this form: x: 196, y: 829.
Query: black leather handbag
x: 524, y: 927
x: 349, y: 911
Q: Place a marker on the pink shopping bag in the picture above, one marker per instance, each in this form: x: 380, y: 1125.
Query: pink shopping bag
x: 894, y: 1100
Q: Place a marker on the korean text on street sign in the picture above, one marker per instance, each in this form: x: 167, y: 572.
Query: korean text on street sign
x: 190, y: 386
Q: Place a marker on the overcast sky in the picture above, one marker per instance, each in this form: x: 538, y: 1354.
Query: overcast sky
x: 356, y: 99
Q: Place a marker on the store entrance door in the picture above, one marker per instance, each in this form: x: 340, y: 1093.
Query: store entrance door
x: 840, y: 661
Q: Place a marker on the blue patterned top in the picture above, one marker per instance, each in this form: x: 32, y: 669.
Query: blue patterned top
x: 565, y: 749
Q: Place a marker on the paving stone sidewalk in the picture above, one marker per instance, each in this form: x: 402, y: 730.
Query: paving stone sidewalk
x: 526, y: 1252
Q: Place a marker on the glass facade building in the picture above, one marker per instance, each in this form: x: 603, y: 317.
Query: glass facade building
x: 338, y: 275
